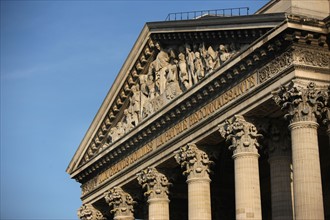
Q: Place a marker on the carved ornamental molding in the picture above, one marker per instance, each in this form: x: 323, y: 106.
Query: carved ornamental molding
x: 120, y: 201
x: 242, y: 135
x: 155, y: 183
x: 88, y: 212
x: 311, y: 57
x: 300, y: 57
x: 275, y: 67
x: 194, y: 161
x: 302, y: 102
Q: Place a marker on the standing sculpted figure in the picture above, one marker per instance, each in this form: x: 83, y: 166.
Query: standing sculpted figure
x: 190, y: 56
x: 184, y: 76
x: 151, y: 87
x: 199, y: 66
x: 171, y: 72
x: 158, y: 66
x: 135, y: 104
x: 143, y: 84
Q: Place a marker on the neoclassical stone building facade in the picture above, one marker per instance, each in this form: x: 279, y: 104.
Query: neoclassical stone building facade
x: 215, y: 118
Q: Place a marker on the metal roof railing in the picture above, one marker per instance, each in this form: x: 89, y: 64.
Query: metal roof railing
x: 226, y: 12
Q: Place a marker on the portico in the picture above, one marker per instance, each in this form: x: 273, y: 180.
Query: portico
x: 219, y: 118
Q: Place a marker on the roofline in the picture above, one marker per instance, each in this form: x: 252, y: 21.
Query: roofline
x: 266, y: 6
x: 217, y: 21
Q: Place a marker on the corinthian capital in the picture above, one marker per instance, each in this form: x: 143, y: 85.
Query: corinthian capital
x: 195, y: 162
x: 120, y: 201
x: 88, y: 212
x: 154, y: 182
x: 242, y: 134
x: 302, y: 102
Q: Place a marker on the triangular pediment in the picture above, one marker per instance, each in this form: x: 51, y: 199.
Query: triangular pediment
x: 168, y: 59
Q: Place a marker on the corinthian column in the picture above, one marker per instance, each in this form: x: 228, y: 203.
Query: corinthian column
x: 280, y: 171
x: 88, y: 212
x: 243, y: 136
x: 303, y: 104
x: 196, y: 164
x: 156, y: 185
x: 121, y: 203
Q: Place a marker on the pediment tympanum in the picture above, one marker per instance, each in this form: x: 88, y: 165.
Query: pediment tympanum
x: 166, y: 69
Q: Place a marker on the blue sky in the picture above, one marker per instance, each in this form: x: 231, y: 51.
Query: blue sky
x: 58, y: 61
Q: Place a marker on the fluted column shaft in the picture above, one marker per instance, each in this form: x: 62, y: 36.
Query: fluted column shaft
x: 307, y: 183
x: 159, y: 209
x: 196, y: 164
x: 243, y: 136
x: 279, y: 151
x: 247, y: 187
x: 156, y: 185
x: 303, y: 103
x: 281, y: 196
x: 199, y: 204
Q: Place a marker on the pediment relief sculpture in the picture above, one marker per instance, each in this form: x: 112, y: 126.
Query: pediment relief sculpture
x: 169, y: 71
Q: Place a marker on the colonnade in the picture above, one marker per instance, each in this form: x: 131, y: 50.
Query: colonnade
x: 298, y: 197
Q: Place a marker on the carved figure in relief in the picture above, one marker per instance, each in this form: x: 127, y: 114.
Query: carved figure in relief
x: 151, y: 87
x: 159, y: 66
x: 224, y: 55
x: 171, y: 73
x: 143, y: 84
x: 128, y: 123
x: 184, y: 76
x: 135, y: 104
x: 190, y: 56
x: 113, y: 134
x: 210, y: 59
x: 120, y: 129
x: 199, y: 67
